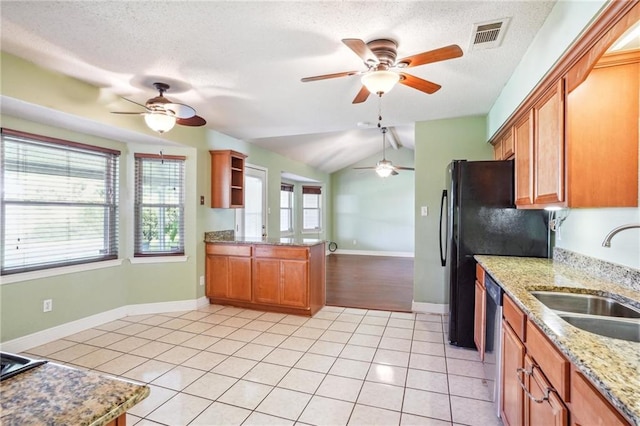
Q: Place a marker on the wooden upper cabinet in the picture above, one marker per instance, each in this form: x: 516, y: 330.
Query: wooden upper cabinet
x: 508, y: 148
x: 497, y: 149
x: 602, y: 134
x: 523, y: 142
x: 548, y: 142
x: 227, y: 179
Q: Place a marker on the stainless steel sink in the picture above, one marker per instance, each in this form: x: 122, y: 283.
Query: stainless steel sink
x: 624, y: 329
x: 595, y: 314
x: 585, y: 304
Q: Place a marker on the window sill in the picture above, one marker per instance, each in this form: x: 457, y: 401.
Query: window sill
x: 158, y: 259
x: 45, y: 273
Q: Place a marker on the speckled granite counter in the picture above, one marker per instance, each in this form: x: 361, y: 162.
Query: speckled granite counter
x: 612, y: 365
x: 213, y: 237
x: 54, y: 394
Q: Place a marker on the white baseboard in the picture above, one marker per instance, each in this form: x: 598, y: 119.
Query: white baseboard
x: 63, y: 330
x: 430, y: 308
x: 375, y: 253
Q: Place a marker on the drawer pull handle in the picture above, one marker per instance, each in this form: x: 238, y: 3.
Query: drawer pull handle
x: 526, y: 391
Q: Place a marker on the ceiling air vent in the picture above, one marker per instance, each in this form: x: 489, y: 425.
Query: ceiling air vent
x: 487, y: 35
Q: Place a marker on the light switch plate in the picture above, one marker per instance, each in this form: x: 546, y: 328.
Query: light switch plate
x: 424, y: 211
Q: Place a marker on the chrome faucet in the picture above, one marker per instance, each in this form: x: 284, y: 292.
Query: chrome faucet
x: 607, y: 239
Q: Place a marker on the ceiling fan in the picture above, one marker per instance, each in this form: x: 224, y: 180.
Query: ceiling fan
x: 379, y: 57
x: 161, y: 114
x: 384, y: 167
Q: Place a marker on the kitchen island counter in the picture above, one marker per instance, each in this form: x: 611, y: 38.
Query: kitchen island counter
x: 612, y: 365
x: 54, y: 394
x: 210, y: 237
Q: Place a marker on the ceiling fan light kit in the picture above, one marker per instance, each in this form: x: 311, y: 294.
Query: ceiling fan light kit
x: 159, y: 121
x: 380, y: 82
x: 384, y: 169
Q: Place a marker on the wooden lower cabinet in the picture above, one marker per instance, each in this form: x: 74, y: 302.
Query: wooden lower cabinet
x: 228, y: 272
x: 588, y: 407
x: 289, y: 279
x: 512, y: 395
x: 480, y: 319
x: 542, y: 405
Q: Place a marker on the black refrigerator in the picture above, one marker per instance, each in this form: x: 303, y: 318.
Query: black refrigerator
x: 478, y: 216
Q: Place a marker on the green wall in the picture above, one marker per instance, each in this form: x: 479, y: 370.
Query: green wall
x: 77, y: 295
x: 437, y: 143
x: 378, y: 213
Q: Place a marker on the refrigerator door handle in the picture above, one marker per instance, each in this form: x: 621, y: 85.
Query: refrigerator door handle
x: 443, y: 254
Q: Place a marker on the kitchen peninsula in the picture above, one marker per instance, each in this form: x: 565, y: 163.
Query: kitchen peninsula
x: 54, y: 394
x: 277, y: 274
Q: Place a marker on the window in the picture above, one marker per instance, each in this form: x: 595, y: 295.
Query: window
x: 159, y: 205
x: 311, y: 213
x: 286, y: 208
x: 59, y: 203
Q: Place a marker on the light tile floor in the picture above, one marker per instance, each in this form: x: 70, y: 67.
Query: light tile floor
x: 229, y: 366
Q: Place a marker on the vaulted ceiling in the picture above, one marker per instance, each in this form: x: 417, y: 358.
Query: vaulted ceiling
x: 240, y: 63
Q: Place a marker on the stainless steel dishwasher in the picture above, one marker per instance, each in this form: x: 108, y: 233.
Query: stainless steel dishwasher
x: 492, y: 351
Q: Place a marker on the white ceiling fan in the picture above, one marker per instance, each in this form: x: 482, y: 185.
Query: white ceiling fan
x: 385, y: 168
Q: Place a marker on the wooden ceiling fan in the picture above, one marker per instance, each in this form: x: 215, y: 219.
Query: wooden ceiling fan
x: 379, y: 57
x: 161, y: 114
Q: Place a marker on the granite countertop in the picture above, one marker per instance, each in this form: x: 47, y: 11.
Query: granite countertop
x: 213, y: 237
x: 54, y: 394
x: 612, y: 365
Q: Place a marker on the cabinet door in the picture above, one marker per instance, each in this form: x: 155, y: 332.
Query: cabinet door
x: 512, y: 395
x: 217, y: 276
x: 523, y: 141
x: 239, y: 285
x: 542, y: 407
x: 497, y: 150
x: 588, y: 406
x: 508, y: 149
x: 266, y: 281
x: 294, y: 283
x: 549, y: 147
x: 479, y: 319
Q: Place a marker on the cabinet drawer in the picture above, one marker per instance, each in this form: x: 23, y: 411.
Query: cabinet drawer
x: 298, y: 253
x: 589, y: 406
x: 514, y: 317
x: 555, y: 366
x: 480, y: 274
x: 229, y: 249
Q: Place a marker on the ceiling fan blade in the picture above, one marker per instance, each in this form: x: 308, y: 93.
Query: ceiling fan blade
x: 194, y: 121
x: 404, y: 168
x: 327, y: 76
x: 437, y: 55
x: 134, y: 102
x: 394, y: 173
x: 361, y: 49
x: 128, y: 113
x: 364, y: 168
x: 418, y: 83
x: 180, y: 110
x: 362, y: 96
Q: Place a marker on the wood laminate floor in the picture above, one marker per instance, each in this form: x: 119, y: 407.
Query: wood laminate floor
x: 370, y: 282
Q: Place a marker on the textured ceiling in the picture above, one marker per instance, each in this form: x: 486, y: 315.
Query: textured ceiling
x: 240, y: 63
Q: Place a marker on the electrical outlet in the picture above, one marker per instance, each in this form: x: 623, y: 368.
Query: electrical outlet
x: 202, y: 280
x: 47, y: 305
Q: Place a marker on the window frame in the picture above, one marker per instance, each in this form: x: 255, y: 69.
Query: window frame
x: 138, y: 205
x: 289, y: 189
x: 312, y: 190
x: 110, y: 203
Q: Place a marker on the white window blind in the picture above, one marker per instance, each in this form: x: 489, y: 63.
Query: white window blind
x: 159, y: 205
x: 311, y: 213
x: 59, y: 203
x: 286, y: 208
